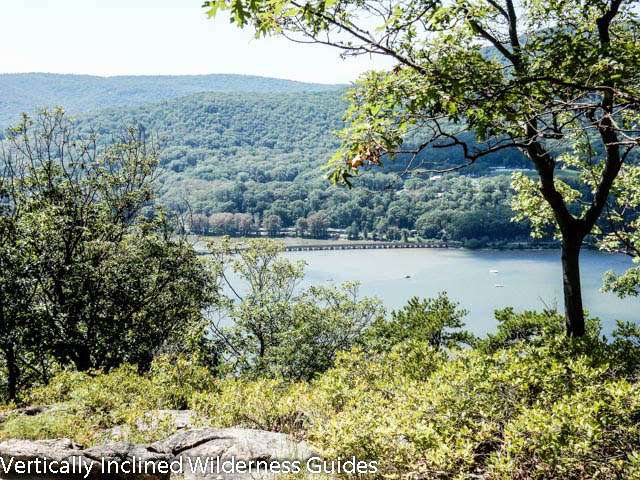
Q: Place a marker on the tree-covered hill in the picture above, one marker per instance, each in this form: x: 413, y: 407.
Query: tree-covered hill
x: 256, y: 147
x: 26, y: 92
x: 262, y: 154
x: 210, y: 142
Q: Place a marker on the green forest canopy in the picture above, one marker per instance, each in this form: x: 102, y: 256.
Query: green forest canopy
x: 26, y: 92
x: 262, y: 154
x: 256, y: 146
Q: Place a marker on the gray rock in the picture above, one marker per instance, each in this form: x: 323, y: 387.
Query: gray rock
x: 58, y: 450
x: 79, y: 461
x: 218, y: 446
x: 238, y: 442
x: 120, y: 452
x: 14, y: 451
x: 183, y: 448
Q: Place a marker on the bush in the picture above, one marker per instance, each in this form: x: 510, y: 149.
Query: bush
x: 437, y: 321
x: 262, y: 404
x: 58, y: 424
x: 175, y: 380
x: 593, y: 433
x: 452, y: 423
x: 86, y: 406
x: 527, y: 403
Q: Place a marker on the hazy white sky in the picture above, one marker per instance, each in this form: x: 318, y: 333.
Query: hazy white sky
x: 132, y: 37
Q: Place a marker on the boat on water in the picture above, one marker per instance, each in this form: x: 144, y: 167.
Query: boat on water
x: 499, y: 285
x: 493, y: 271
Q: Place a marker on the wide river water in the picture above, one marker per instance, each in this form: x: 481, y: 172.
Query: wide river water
x: 528, y: 279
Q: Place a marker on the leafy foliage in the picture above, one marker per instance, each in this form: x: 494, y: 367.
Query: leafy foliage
x: 482, y: 77
x: 26, y: 92
x: 624, y: 236
x: 274, y: 329
x: 436, y: 321
x: 260, y: 156
x: 102, y: 278
x: 538, y: 406
x: 87, y: 406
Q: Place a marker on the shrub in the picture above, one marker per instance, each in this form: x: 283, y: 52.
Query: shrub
x: 86, y: 406
x: 437, y: 321
x: 594, y: 433
x: 175, y: 380
x: 263, y: 404
x: 526, y: 404
x: 55, y: 424
x: 451, y: 422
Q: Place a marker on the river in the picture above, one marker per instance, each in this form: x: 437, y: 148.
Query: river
x: 481, y: 280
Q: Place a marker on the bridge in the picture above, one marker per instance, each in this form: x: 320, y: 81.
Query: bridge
x: 364, y: 246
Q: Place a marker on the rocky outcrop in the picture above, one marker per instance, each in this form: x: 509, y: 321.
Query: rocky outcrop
x: 232, y: 452
x: 189, y: 454
x: 24, y: 450
x: 53, y: 459
x: 167, y: 420
x: 237, y: 442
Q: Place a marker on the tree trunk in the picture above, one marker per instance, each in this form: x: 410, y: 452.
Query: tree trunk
x: 82, y: 359
x: 13, y: 372
x: 574, y: 313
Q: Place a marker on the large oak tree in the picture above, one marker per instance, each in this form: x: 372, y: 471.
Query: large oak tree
x: 553, y: 79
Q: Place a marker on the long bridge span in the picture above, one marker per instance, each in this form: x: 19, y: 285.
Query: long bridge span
x: 364, y: 246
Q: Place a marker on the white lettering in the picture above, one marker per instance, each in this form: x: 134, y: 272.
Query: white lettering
x: 6, y: 467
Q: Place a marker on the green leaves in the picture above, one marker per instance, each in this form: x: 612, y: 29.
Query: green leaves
x: 279, y: 330
x: 436, y: 321
x: 529, y: 204
x: 526, y: 400
x: 624, y: 214
x: 106, y: 279
x: 487, y: 77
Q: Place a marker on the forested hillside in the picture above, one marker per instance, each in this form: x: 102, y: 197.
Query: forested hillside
x: 84, y: 93
x: 248, y: 153
x: 262, y: 154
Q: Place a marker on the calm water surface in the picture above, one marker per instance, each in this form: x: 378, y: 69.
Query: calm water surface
x: 530, y: 279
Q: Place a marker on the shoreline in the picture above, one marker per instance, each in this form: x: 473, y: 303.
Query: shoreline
x: 296, y: 244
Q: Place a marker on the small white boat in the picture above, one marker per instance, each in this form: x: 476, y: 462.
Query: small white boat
x: 493, y: 271
x: 499, y: 285
x: 407, y: 276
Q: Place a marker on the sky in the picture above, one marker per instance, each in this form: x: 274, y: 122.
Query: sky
x: 148, y: 37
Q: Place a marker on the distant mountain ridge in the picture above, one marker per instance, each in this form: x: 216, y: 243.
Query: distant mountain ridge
x: 26, y: 92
